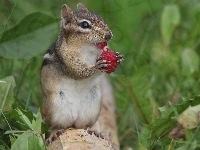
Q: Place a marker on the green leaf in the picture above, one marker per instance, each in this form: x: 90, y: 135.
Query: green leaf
x: 30, y: 37
x: 37, y: 123
x: 190, y: 62
x: 24, y: 119
x: 35, y: 142
x: 44, y: 128
x: 13, y: 131
x: 28, y: 141
x: 169, y: 20
x: 6, y: 93
x: 2, y: 147
x: 157, y: 131
x: 21, y: 142
x: 145, y: 137
x: 189, y: 118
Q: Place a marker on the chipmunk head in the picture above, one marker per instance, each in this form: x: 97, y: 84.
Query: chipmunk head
x: 87, y: 26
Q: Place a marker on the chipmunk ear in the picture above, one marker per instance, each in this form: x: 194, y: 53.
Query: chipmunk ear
x: 81, y: 7
x: 66, y: 15
x: 66, y: 12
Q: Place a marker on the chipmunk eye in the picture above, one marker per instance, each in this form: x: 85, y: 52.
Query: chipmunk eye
x: 85, y: 25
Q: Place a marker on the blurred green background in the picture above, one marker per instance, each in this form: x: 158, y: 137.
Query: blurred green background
x: 160, y: 41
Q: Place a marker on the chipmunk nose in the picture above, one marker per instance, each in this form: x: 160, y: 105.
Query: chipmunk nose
x: 108, y: 36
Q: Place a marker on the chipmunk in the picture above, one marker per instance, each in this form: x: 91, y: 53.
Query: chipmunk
x: 72, y: 69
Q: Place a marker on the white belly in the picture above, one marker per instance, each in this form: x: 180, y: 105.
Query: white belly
x: 77, y: 102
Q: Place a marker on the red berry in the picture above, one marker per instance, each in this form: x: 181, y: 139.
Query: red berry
x: 102, y: 45
x: 112, y: 57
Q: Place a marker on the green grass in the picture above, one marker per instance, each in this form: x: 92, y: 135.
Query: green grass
x: 159, y: 40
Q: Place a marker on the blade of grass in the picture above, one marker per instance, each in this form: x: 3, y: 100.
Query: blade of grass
x: 5, y: 96
x: 194, y: 135
x: 5, y: 119
x: 28, y: 99
x: 4, y: 144
x: 135, y: 100
x: 8, y: 18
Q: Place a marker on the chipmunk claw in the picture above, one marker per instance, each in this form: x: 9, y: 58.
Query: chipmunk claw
x: 54, y: 136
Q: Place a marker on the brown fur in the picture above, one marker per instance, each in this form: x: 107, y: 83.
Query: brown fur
x: 72, y: 59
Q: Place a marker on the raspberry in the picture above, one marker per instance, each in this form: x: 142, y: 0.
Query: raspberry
x: 110, y: 59
x: 102, y: 45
